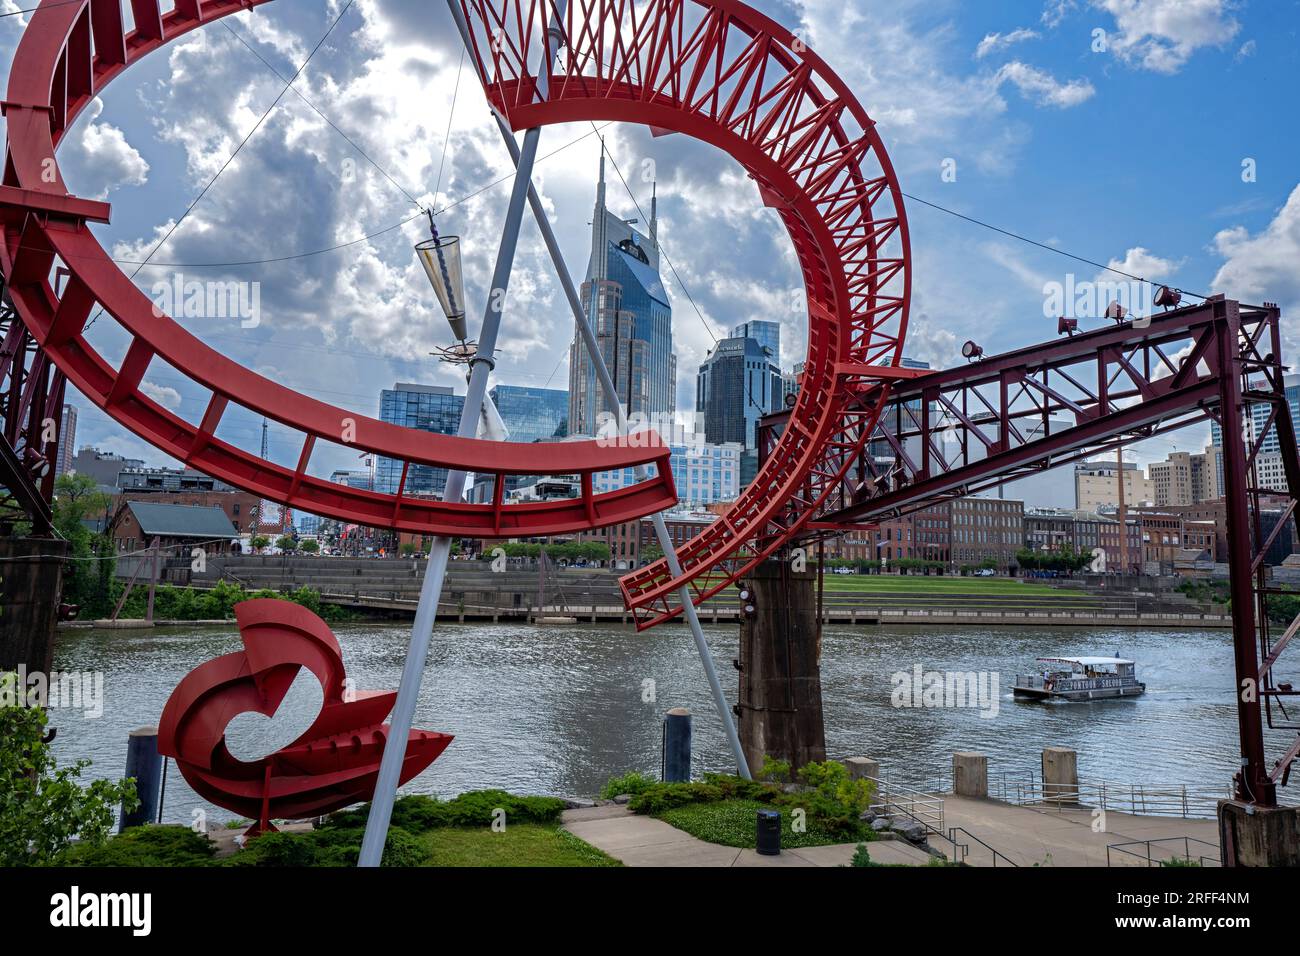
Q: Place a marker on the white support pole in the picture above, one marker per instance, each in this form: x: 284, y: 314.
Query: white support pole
x: 381, y: 807
x: 611, y: 392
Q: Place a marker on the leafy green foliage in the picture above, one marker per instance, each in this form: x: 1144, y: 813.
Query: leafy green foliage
x: 338, y: 841
x: 218, y: 603
x: 777, y: 771
x: 42, y: 807
x: 567, y: 551
x: 861, y: 856
x: 657, y: 798
x: 310, y: 546
x: 143, y: 846
x: 328, y: 846
x: 1066, y: 559
x: 418, y: 813
x: 632, y: 782
x: 735, y: 823
x: 88, y: 579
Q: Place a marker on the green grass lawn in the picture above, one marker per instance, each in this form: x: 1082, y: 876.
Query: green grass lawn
x: 519, y: 844
x: 921, y: 584
x: 735, y: 823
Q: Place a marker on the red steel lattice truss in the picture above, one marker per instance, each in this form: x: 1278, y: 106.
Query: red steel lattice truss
x: 962, y: 430
x: 68, y: 54
x: 725, y: 74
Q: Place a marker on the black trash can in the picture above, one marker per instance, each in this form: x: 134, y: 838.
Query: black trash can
x: 769, y: 832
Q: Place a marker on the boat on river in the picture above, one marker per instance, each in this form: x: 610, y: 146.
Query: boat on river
x: 1079, y: 678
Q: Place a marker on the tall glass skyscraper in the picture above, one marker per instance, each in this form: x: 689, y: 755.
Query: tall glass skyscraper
x: 763, y: 331
x: 737, y: 385
x: 431, y: 408
x: 532, y: 414
x: 628, y: 308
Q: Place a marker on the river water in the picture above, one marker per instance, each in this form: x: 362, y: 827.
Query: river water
x: 560, y: 709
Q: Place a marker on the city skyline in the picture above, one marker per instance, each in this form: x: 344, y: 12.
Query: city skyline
x: 366, y: 316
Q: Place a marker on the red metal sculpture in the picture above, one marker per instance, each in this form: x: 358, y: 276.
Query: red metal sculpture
x: 67, y: 55
x: 333, y: 764
x: 723, y: 73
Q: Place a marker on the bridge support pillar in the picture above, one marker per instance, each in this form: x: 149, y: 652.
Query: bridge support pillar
x: 780, y: 705
x: 1251, y: 835
x: 31, y: 587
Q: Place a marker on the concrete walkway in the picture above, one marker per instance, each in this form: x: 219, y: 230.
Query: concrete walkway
x: 1049, y: 837
x: 1024, y: 835
x: 639, y: 840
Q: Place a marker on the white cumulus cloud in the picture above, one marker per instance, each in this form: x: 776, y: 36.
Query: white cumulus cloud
x: 1043, y: 88
x: 994, y: 42
x: 1162, y: 35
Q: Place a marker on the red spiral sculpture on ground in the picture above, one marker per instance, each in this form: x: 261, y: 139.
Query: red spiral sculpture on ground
x: 332, y: 765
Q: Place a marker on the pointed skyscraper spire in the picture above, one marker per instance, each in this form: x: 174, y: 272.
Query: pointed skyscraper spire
x: 596, y: 268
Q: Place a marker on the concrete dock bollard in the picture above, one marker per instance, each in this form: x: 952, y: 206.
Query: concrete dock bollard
x: 144, y: 764
x: 970, y: 774
x: 860, y: 767
x: 677, y: 746
x: 1060, y: 775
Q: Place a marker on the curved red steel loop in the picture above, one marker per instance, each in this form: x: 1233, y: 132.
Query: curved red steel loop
x: 723, y: 73
x: 333, y: 764
x: 67, y: 55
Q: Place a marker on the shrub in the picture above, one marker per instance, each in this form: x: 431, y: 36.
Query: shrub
x: 42, y: 807
x: 659, y: 797
x: 632, y: 782
x: 418, y: 813
x: 861, y: 856
x: 328, y: 846
x: 777, y: 771
x: 143, y: 846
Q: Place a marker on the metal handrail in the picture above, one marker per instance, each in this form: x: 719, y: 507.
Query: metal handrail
x: 964, y: 848
x: 1203, y: 859
x: 924, y: 808
x: 1139, y: 799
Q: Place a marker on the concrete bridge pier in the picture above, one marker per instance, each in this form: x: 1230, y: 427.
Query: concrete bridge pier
x: 780, y: 707
x: 1258, y: 836
x: 31, y: 587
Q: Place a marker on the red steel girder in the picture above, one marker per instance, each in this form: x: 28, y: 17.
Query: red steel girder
x: 56, y: 71
x: 967, y: 429
x: 725, y: 74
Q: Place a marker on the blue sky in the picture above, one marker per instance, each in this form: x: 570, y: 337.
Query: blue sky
x: 1115, y: 129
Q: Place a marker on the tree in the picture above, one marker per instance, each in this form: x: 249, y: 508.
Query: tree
x: 651, y: 552
x: 259, y: 541
x: 43, y: 807
x: 286, y: 543
x: 309, y: 546
x: 89, y: 580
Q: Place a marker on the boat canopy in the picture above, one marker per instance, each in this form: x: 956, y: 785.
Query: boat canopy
x: 1085, y: 661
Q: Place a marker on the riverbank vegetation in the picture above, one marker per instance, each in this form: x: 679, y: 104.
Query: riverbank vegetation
x: 823, y: 808
x: 44, y: 807
x: 480, y: 828
x: 173, y: 603
x: 570, y: 552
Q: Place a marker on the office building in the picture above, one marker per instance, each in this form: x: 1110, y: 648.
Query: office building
x: 627, y: 306
x: 704, y: 473
x: 67, y: 441
x: 1096, y: 485
x: 430, y: 408
x: 766, y: 333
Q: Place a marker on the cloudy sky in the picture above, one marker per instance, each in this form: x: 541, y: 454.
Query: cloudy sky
x: 1155, y: 135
